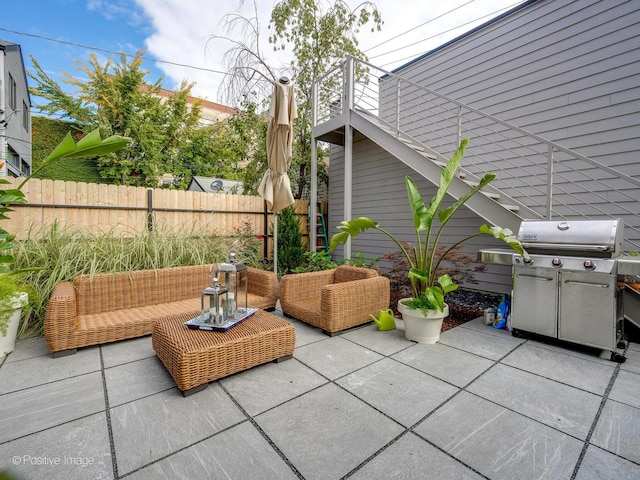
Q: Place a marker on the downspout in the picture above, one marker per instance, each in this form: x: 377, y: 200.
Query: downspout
x: 348, y: 149
x: 314, y: 172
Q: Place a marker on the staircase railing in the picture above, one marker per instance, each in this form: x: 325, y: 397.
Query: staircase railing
x: 550, y: 179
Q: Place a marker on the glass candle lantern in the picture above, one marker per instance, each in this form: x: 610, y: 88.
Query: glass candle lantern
x: 213, y: 310
x: 235, y: 282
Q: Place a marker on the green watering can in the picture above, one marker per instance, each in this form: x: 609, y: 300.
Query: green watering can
x: 386, y: 320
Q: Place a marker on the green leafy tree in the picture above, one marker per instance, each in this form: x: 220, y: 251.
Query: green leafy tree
x: 250, y: 131
x: 115, y: 97
x: 318, y: 35
x: 319, y: 38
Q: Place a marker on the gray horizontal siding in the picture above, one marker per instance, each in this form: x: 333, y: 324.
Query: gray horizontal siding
x: 379, y: 193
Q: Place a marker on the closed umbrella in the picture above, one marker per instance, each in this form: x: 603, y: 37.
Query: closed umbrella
x: 275, y: 186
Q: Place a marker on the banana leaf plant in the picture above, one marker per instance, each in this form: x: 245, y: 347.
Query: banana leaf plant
x: 429, y: 289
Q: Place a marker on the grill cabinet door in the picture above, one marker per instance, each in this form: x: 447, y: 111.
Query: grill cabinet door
x: 588, y: 309
x: 535, y: 300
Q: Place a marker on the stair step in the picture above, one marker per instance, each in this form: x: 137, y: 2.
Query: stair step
x: 461, y: 174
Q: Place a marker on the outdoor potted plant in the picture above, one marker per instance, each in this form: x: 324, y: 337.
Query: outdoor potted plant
x: 13, y: 297
x: 424, y: 312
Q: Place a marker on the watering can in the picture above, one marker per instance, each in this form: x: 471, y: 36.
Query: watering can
x: 386, y: 320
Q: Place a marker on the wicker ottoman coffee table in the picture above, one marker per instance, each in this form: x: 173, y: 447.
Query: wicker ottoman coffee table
x: 196, y: 357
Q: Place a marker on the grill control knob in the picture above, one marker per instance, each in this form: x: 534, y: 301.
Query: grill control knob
x: 589, y: 265
x: 556, y: 262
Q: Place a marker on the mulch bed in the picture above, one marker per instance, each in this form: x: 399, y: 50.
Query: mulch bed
x: 464, y: 305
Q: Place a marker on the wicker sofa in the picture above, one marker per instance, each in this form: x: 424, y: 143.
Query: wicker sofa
x: 108, y: 307
x: 334, y: 300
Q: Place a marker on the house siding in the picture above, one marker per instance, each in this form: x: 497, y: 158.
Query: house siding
x: 15, y: 139
x: 566, y: 70
x: 379, y: 193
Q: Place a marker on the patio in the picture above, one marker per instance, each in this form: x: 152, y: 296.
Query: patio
x: 362, y: 405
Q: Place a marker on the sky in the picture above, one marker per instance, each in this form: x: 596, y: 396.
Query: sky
x: 177, y: 35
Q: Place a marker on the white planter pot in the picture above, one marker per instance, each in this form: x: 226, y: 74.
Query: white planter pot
x: 8, y: 341
x: 419, y: 328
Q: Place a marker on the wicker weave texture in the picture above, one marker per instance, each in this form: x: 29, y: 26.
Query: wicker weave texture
x: 109, y: 307
x: 196, y: 357
x: 315, y: 298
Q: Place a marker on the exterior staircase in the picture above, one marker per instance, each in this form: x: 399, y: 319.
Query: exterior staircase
x: 537, y: 178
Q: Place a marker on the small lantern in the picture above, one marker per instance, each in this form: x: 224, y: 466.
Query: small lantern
x: 235, y: 283
x: 214, y: 312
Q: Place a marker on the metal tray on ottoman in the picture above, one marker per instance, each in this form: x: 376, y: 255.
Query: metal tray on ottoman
x: 196, y: 357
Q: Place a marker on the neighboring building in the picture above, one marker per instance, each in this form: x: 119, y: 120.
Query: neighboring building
x: 566, y: 71
x: 15, y: 113
x: 211, y: 112
x: 215, y: 185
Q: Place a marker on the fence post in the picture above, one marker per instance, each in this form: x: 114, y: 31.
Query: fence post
x: 265, y: 248
x: 150, y: 210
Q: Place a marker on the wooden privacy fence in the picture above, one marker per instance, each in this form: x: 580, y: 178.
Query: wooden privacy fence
x: 127, y: 211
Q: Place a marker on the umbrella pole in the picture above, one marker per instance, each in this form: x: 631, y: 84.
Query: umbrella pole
x: 275, y: 243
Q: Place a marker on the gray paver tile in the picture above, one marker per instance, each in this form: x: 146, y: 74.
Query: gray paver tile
x: 617, y: 430
x: 150, y: 428
x: 598, y: 464
x: 493, y: 347
x: 386, y: 343
x: 45, y: 369
x: 578, y: 372
x: 117, y: 353
x: 410, y: 458
x: 76, y: 450
x: 136, y: 380
x: 335, y: 357
x: 402, y: 392
x: 29, y: 348
x: 326, y: 433
x: 632, y: 363
x: 477, y: 324
x: 444, y: 362
x: 238, y: 453
x: 306, y: 334
x: 574, y: 350
x: 626, y: 388
x: 266, y: 386
x: 559, y: 406
x: 499, y: 443
x: 45, y: 406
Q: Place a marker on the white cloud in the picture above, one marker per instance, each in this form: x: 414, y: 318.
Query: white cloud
x: 181, y: 29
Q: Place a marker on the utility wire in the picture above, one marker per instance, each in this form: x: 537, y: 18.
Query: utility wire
x: 417, y: 26
x: 151, y: 59
x: 438, y: 34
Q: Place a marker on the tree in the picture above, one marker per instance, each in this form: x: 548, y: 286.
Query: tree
x: 116, y: 98
x: 318, y: 35
x: 319, y: 39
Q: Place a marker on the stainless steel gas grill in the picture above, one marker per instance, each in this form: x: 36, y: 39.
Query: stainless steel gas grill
x: 569, y: 287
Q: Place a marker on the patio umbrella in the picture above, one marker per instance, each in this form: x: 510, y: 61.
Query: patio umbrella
x: 275, y: 186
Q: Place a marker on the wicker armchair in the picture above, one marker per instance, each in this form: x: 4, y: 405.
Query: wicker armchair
x: 334, y: 300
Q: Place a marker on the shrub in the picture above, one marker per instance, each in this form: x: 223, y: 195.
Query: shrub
x: 291, y: 247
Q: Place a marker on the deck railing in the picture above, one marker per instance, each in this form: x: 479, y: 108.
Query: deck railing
x: 552, y: 180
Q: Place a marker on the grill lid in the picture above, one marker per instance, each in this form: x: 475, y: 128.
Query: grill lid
x: 602, y: 237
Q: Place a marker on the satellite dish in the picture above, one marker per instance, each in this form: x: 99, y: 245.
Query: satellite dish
x: 216, y: 185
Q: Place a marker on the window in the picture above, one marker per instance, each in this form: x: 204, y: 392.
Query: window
x: 25, y: 116
x: 25, y: 169
x: 13, y: 158
x: 13, y: 94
